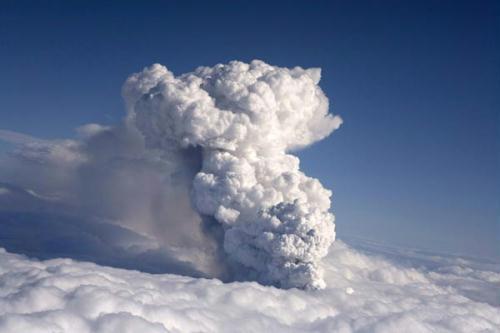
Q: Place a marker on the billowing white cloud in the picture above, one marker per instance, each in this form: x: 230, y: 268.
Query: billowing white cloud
x: 367, y: 291
x: 244, y: 119
x: 202, y: 161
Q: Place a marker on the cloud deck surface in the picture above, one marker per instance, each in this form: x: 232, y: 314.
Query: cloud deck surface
x: 375, y: 290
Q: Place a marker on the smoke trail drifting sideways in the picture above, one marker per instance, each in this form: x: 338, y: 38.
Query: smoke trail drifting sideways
x: 246, y: 118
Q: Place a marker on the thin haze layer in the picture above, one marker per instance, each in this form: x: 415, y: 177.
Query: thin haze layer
x: 245, y: 119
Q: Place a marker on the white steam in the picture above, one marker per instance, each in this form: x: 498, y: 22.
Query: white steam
x: 242, y: 120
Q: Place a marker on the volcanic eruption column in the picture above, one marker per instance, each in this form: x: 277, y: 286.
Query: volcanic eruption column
x: 244, y: 119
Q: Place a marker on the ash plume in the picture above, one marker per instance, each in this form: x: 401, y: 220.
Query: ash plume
x: 243, y: 121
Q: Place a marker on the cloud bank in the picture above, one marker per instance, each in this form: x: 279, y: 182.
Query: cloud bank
x: 379, y: 290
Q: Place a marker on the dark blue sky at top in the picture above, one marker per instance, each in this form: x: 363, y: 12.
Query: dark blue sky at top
x: 416, y: 82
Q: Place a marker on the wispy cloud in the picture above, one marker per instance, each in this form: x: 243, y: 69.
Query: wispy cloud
x: 18, y: 138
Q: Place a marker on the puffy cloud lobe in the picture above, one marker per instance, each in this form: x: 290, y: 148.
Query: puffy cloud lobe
x: 232, y: 107
x: 246, y: 118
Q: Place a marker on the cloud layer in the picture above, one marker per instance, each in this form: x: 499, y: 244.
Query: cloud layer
x: 367, y: 292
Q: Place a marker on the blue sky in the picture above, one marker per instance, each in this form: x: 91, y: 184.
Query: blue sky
x: 416, y: 161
